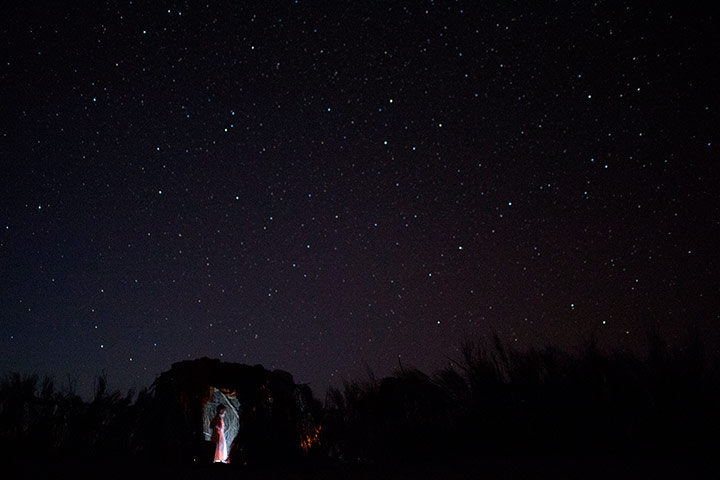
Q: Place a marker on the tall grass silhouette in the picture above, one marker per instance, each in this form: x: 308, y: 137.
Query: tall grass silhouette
x: 538, y: 402
x: 492, y: 401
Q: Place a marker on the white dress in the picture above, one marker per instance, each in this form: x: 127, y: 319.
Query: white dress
x: 218, y: 436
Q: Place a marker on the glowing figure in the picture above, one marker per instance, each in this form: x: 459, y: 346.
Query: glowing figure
x: 218, y: 435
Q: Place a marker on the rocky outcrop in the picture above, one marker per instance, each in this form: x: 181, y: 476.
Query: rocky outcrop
x: 266, y: 420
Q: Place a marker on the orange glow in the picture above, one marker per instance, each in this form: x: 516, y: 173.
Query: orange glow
x: 311, y: 438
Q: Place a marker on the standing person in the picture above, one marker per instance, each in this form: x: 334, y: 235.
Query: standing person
x: 218, y: 434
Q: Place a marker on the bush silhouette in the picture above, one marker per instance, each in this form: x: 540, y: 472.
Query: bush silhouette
x: 492, y: 401
x: 537, y: 402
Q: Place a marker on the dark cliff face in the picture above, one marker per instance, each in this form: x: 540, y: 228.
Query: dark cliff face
x: 267, y: 411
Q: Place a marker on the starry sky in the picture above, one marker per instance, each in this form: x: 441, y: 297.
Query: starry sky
x: 337, y: 187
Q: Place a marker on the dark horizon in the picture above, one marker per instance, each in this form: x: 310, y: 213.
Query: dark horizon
x: 496, y: 413
x: 655, y: 348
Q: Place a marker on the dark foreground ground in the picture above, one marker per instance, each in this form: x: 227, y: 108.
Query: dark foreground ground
x: 556, y: 467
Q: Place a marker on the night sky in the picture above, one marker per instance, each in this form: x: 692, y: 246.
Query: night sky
x: 334, y: 187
